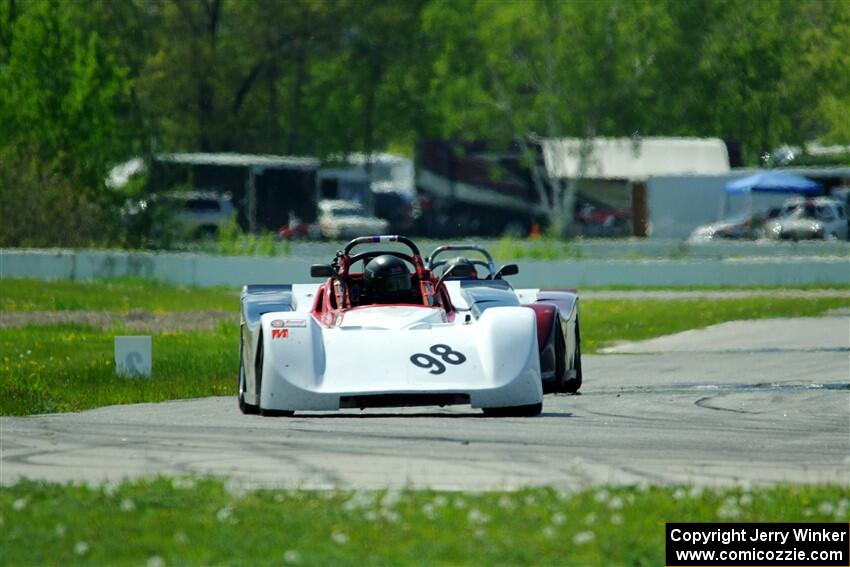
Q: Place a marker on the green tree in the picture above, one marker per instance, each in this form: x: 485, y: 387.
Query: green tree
x: 43, y: 207
x: 62, y: 93
x: 822, y: 72
x: 84, y: 85
x: 762, y: 73
x: 364, y: 94
x: 517, y: 70
x: 228, y: 75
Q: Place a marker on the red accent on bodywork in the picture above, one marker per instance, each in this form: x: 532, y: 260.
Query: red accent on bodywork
x: 544, y: 312
x: 317, y: 301
x: 373, y: 305
x: 329, y: 314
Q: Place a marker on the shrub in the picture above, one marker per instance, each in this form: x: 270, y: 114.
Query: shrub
x: 41, y: 207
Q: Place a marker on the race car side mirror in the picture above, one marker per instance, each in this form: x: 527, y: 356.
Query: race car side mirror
x: 321, y: 271
x: 506, y: 270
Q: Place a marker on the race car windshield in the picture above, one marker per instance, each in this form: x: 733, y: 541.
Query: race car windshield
x: 349, y: 212
x: 810, y: 211
x: 824, y: 213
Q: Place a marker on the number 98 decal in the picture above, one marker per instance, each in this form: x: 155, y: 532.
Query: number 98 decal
x: 434, y: 366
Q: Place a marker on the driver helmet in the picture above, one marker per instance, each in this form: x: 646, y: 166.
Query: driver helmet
x: 386, y: 278
x: 468, y: 270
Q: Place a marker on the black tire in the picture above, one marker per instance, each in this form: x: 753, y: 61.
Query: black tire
x: 259, y: 373
x: 276, y: 413
x: 572, y: 386
x: 515, y: 411
x: 560, y: 360
x: 244, y: 407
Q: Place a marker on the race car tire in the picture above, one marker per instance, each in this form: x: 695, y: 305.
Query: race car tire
x: 259, y: 373
x: 529, y: 410
x: 276, y: 413
x: 560, y: 360
x: 244, y: 407
x: 572, y: 386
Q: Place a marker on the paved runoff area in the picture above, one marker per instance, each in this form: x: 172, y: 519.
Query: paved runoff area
x: 747, y: 402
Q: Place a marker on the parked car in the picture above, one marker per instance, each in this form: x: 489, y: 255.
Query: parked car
x: 743, y: 226
x: 200, y: 213
x: 346, y: 219
x: 299, y: 230
x: 596, y: 219
x: 159, y: 220
x: 806, y: 219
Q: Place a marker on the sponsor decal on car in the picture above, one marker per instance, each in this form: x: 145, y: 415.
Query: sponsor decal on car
x: 280, y: 334
x: 295, y: 323
x: 278, y: 323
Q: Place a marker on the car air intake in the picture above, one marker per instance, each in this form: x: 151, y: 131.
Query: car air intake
x: 402, y: 400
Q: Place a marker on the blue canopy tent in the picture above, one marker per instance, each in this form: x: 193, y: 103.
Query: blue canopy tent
x: 774, y: 182
x: 770, y: 182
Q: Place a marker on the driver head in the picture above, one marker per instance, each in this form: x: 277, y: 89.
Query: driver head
x: 464, y: 269
x: 386, y: 278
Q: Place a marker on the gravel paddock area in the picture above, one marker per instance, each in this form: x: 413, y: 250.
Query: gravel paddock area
x: 135, y: 320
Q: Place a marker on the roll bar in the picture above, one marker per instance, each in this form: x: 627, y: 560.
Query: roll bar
x: 429, y: 262
x: 342, y: 262
x: 385, y: 238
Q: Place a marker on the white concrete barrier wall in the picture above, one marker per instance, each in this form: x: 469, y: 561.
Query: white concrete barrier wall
x: 209, y: 270
x: 629, y: 249
x: 797, y: 271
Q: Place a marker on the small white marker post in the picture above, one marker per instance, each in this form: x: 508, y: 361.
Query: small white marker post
x: 133, y: 358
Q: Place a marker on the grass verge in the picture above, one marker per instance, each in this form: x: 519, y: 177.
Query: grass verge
x: 112, y: 295
x: 200, y: 522
x: 722, y: 288
x: 547, y: 247
x: 59, y: 368
x: 605, y: 321
x: 125, y: 294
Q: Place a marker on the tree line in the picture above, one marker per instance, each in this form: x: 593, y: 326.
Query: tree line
x: 87, y: 84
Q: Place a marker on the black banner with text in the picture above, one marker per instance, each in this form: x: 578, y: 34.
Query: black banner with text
x: 758, y: 544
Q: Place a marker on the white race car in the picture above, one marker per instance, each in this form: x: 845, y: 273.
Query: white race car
x: 395, y: 334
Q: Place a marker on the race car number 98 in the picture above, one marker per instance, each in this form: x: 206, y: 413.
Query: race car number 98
x: 433, y: 365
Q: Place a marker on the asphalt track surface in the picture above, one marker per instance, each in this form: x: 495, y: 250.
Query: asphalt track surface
x: 686, y: 409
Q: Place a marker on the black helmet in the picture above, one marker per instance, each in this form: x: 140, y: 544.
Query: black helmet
x: 465, y: 268
x: 386, y: 277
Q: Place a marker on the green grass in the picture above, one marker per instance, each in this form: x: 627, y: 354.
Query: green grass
x: 112, y: 295
x: 544, y: 248
x: 231, y: 241
x: 201, y: 522
x: 60, y: 368
x: 752, y: 288
x: 126, y: 294
x: 605, y: 321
